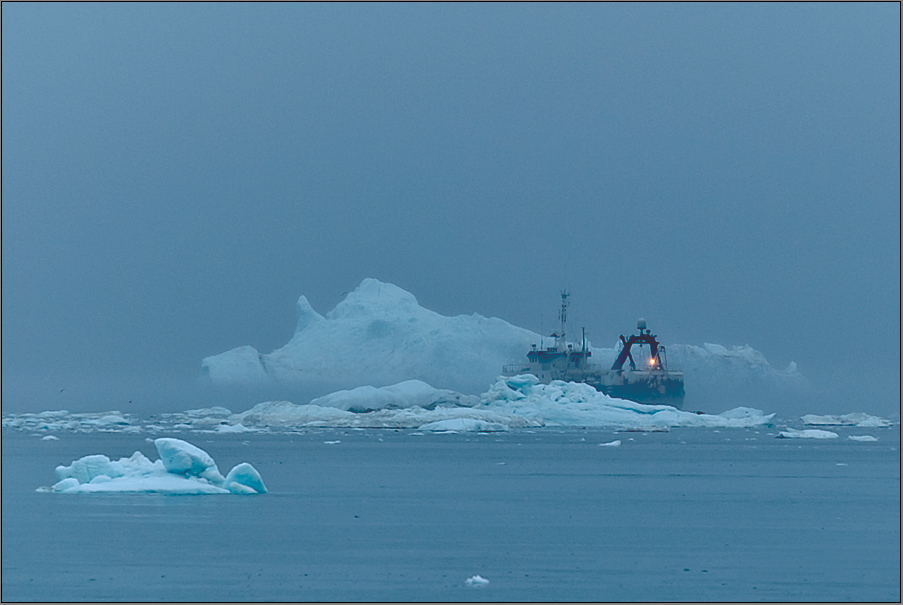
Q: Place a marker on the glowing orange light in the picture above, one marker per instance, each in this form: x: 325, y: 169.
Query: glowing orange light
x: 652, y: 362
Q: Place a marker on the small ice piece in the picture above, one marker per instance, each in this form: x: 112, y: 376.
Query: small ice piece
x: 615, y: 443
x: 463, y: 424
x: 806, y: 434
x: 50, y: 438
x: 853, y: 437
x: 233, y: 428
x: 244, y: 479
x: 476, y: 581
x: 332, y: 442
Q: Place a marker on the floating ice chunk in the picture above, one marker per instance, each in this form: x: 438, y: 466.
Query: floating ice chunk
x: 233, y: 428
x: 332, y: 442
x: 463, y: 424
x: 854, y: 419
x: 615, y: 443
x: 188, y: 470
x: 50, y: 438
x: 862, y: 438
x: 476, y: 581
x: 214, y: 411
x: 806, y: 434
x: 286, y: 413
x: 407, y: 394
x: 244, y: 479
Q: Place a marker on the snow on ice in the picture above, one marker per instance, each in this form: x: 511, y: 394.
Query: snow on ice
x: 379, y: 335
x: 182, y: 469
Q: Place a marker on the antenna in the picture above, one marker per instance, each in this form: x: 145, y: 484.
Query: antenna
x: 563, y: 314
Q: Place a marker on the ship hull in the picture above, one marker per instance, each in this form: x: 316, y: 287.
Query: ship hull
x: 673, y: 395
x: 649, y: 388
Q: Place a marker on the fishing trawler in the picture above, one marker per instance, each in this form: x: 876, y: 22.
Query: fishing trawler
x: 645, y: 379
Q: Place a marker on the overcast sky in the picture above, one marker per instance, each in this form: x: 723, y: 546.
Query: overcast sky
x: 176, y: 175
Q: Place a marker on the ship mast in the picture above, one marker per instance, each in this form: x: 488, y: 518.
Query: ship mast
x: 563, y: 316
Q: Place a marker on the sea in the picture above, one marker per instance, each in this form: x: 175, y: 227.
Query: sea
x: 544, y: 514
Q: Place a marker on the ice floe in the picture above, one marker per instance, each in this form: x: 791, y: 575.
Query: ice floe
x: 514, y: 402
x: 63, y: 420
x: 476, y: 581
x: 806, y: 434
x: 854, y: 419
x: 407, y: 394
x: 183, y: 468
x: 862, y: 438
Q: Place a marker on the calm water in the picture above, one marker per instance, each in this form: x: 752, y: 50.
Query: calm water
x: 690, y: 515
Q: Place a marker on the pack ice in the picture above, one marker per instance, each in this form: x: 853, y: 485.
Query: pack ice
x: 183, y: 468
x: 511, y: 402
x: 379, y: 335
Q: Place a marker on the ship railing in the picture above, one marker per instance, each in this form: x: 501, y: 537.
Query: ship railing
x: 513, y: 369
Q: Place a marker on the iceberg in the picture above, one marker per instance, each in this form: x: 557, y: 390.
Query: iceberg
x: 182, y: 469
x: 379, y: 335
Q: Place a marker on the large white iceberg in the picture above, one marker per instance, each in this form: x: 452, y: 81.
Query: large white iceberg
x: 379, y: 335
x: 182, y: 469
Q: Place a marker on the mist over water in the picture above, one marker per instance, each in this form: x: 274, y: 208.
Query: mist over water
x: 175, y: 176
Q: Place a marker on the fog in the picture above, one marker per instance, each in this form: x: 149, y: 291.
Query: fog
x: 176, y: 175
